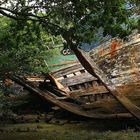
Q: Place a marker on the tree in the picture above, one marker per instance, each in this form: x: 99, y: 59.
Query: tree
x: 22, y: 49
x: 75, y: 21
x: 79, y: 19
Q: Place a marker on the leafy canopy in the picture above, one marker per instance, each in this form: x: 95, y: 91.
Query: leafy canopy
x: 23, y: 48
x: 76, y: 20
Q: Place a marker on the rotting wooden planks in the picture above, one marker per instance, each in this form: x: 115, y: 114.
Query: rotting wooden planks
x: 100, y: 90
x: 72, y: 107
x: 93, y: 69
x: 77, y: 79
x: 67, y: 70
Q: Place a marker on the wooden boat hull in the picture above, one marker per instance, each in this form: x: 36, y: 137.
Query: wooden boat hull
x: 122, y: 64
x: 117, y: 70
x: 88, y: 88
x: 81, y: 99
x: 111, y: 89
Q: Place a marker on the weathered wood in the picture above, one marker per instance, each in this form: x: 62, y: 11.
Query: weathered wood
x: 67, y: 71
x: 62, y: 98
x: 93, y: 103
x: 90, y: 91
x: 74, y: 108
x: 93, y: 69
x: 106, y: 105
x: 54, y: 81
x: 35, y: 79
x: 64, y: 63
x: 77, y: 79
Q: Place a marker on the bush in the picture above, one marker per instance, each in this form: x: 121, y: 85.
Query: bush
x: 5, y: 110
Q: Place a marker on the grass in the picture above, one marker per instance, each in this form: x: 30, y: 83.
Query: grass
x: 77, y: 131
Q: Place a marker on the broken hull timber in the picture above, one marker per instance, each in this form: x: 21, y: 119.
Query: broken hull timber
x: 122, y: 67
x: 77, y: 91
x: 121, y: 64
x: 83, y: 87
x: 86, y: 98
x: 116, y: 65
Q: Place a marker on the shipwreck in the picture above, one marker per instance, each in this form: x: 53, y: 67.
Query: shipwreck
x: 105, y: 84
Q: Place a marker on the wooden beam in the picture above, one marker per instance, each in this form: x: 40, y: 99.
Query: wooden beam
x: 68, y: 70
x: 62, y: 98
x: 93, y: 69
x: 74, y: 108
x: 91, y: 91
x: 77, y: 79
x: 64, y: 63
x: 106, y: 105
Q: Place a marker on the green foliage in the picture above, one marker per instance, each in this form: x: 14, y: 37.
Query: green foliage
x: 81, y: 131
x: 78, y: 20
x: 24, y: 41
x: 5, y: 110
x: 23, y: 47
x: 8, y: 106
